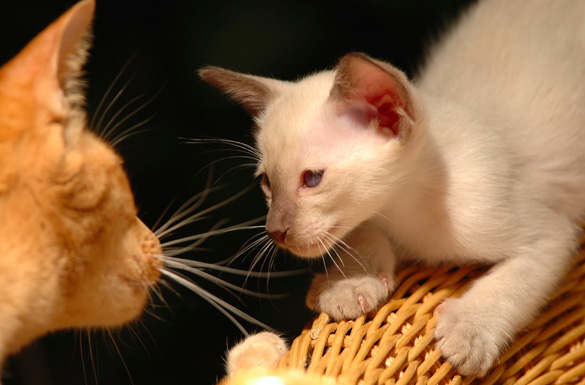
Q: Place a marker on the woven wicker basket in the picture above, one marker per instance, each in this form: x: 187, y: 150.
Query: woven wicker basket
x: 396, y: 345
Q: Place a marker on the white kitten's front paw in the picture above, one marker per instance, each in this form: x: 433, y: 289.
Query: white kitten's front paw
x: 352, y: 297
x: 258, y: 351
x: 466, y: 337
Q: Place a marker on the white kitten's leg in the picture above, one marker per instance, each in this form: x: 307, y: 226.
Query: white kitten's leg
x: 359, y: 280
x: 473, y: 330
x: 259, y: 351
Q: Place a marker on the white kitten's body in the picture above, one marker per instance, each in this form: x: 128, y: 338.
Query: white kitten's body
x: 481, y: 159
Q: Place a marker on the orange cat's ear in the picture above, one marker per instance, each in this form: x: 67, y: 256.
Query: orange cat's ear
x: 44, y: 75
x: 253, y: 92
x: 367, y: 90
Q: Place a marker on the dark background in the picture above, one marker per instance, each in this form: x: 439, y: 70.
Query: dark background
x: 161, y: 44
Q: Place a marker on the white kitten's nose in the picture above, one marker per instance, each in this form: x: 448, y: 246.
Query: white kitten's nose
x: 278, y: 236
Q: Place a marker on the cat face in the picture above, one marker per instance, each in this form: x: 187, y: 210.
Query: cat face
x: 72, y: 251
x: 331, y: 146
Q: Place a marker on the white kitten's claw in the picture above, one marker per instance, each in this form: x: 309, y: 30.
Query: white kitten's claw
x: 363, y: 304
x: 387, y: 281
x: 439, y: 309
x: 352, y: 297
x: 258, y: 351
x: 466, y: 338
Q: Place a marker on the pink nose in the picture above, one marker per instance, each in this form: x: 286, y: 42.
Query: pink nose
x: 277, y: 235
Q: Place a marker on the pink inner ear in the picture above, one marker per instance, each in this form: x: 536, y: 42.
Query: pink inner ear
x: 376, y: 87
x: 386, y: 105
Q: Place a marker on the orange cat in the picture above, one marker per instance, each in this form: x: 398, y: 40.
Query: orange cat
x: 72, y: 251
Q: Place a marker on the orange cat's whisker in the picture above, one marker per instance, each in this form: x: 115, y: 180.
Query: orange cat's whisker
x: 175, y: 264
x: 120, y: 355
x: 225, y: 308
x: 185, y: 210
x: 239, y: 227
x: 230, y: 270
x: 111, y: 128
x: 98, y: 111
x: 129, y: 132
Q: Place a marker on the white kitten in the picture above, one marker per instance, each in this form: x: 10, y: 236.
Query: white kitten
x: 481, y: 159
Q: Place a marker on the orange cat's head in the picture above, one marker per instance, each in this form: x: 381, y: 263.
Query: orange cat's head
x: 72, y: 251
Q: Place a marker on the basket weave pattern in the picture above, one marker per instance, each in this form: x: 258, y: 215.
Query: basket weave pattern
x: 396, y: 345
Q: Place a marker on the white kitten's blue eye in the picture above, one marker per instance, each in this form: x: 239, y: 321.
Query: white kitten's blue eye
x: 311, y: 178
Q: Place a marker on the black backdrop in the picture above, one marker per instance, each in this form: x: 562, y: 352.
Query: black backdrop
x: 162, y: 44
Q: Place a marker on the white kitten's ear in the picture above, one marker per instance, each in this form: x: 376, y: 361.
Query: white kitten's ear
x: 368, y: 90
x: 253, y: 92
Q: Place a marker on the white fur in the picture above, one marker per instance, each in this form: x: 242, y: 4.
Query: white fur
x: 493, y: 172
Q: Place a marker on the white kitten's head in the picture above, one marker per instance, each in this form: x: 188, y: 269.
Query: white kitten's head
x: 331, y: 146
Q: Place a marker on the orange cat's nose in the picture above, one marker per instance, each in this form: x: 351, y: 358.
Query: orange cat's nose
x: 151, y: 252
x: 278, y: 236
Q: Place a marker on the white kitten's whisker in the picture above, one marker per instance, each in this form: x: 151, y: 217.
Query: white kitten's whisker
x: 324, y: 262
x: 271, y: 258
x: 262, y: 238
x: 219, y: 281
x: 347, y: 249
x: 240, y: 145
x: 328, y: 246
x: 225, y: 308
x: 342, y: 227
x: 249, y: 244
x: 234, y: 157
x: 236, y: 167
x: 332, y: 259
x: 384, y: 216
x: 246, y: 155
x: 264, y: 257
x: 336, y: 252
x: 268, y: 246
x: 332, y: 248
x: 107, y: 93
